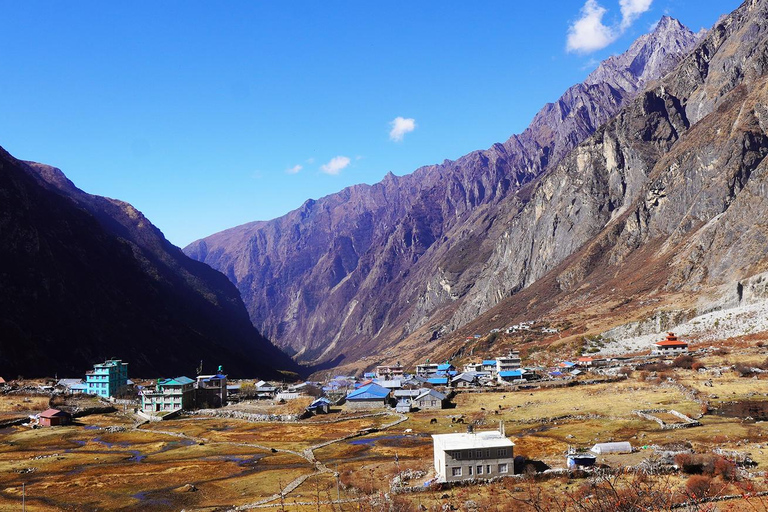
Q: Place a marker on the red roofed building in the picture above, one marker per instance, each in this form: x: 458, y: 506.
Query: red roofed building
x: 671, y: 345
x: 53, y: 417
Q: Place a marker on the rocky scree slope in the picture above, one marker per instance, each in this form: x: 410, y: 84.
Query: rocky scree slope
x: 85, y: 278
x: 678, y: 177
x: 359, y: 270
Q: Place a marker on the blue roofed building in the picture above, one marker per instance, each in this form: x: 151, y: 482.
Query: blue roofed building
x: 489, y: 365
x: 370, y: 396
x: 211, y: 390
x: 438, y: 381
x: 510, y: 375
x: 106, y: 378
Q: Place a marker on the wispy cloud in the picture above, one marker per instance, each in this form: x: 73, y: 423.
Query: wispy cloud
x: 336, y: 165
x: 295, y: 169
x: 631, y: 10
x: 589, y: 33
x: 401, y: 126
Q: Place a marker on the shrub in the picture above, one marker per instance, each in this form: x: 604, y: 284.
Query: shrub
x: 697, y: 366
x: 743, y: 369
x: 699, y: 486
x: 683, y: 361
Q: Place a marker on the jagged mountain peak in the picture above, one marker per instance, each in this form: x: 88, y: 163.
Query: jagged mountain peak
x: 647, y: 58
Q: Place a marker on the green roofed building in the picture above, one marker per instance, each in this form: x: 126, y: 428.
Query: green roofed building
x: 169, y: 395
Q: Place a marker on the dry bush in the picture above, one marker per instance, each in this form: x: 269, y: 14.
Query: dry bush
x: 697, y: 366
x: 684, y: 361
x: 699, y: 486
x: 708, y: 464
x: 743, y: 369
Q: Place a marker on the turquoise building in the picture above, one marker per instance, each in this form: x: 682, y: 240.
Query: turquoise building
x: 106, y: 378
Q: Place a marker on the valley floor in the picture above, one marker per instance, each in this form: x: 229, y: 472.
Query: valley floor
x: 346, y: 461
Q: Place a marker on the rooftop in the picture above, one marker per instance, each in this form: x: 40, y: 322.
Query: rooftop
x: 485, y: 439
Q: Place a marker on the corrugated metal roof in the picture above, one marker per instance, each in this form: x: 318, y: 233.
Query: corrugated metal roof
x: 178, y: 381
x: 438, y: 380
x: 511, y: 373
x: 489, y: 362
x: 444, y: 366
x: 368, y: 392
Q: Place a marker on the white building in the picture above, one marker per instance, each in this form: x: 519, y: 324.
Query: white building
x: 508, y: 363
x: 473, y: 455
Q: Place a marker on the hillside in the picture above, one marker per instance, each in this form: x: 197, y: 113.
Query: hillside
x: 85, y: 278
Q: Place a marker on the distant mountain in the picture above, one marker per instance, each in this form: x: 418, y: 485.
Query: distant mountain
x: 84, y: 278
x: 356, y: 272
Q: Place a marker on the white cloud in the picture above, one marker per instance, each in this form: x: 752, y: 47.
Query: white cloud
x: 401, y: 126
x: 295, y: 169
x: 336, y: 164
x: 631, y: 10
x: 589, y: 33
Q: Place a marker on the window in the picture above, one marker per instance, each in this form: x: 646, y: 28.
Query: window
x: 488, y: 469
x: 479, y: 454
x: 502, y: 452
x: 469, y: 470
x: 503, y: 468
x: 480, y: 469
x: 488, y: 454
x: 455, y: 471
x: 457, y: 455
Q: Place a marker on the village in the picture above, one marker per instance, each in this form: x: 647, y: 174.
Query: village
x: 390, y: 434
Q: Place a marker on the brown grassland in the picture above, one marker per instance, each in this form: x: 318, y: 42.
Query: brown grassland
x: 208, y: 464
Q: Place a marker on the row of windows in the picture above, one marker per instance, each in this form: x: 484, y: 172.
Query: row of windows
x: 478, y: 454
x: 478, y: 470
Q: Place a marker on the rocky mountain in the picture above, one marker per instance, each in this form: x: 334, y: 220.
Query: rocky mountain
x: 358, y: 271
x: 658, y: 217
x: 84, y: 278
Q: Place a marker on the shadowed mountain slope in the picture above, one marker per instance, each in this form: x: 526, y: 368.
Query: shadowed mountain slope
x: 85, y: 278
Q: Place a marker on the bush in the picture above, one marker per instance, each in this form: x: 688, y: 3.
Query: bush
x: 743, y: 369
x: 699, y: 486
x: 697, y: 366
x: 683, y: 361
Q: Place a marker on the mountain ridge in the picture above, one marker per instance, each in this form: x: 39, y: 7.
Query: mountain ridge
x: 336, y: 276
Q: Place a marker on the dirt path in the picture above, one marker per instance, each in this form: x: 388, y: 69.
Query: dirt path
x: 309, y: 455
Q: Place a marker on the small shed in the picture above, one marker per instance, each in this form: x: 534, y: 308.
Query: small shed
x: 430, y: 399
x: 320, y: 406
x: 54, y: 417
x: 620, y: 447
x: 403, y: 406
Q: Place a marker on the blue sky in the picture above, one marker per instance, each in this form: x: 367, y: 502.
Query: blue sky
x: 206, y: 115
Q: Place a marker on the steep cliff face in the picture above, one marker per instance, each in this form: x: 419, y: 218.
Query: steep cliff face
x: 679, y: 175
x: 366, y: 267
x: 85, y: 278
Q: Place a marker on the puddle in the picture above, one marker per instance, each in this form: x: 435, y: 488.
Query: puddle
x: 377, y: 439
x: 7, y: 430
x: 146, y: 499
x: 92, y: 427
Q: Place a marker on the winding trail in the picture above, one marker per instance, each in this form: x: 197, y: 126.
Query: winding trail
x: 307, y: 454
